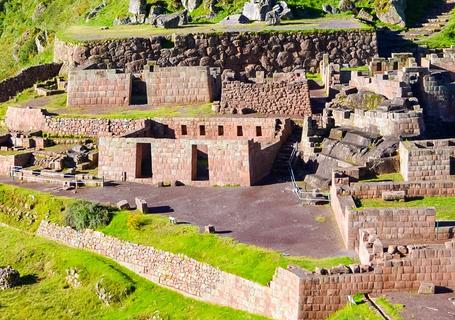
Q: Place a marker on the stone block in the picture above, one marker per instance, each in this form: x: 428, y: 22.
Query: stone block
x: 209, y: 229
x: 141, y: 205
x: 426, y: 288
x: 123, y: 205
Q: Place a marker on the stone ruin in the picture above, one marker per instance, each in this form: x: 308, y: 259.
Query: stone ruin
x: 9, y: 278
x: 266, y: 10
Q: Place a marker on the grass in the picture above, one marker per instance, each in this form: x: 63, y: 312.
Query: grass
x: 445, y: 38
x: 253, y: 263
x: 445, y: 206
x: 362, y: 311
x: 386, y: 177
x: 250, y: 262
x: 57, y: 104
x: 46, y: 295
x: 392, y: 310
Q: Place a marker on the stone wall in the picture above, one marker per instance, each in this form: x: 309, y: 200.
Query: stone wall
x: 201, y: 281
x: 99, y: 87
x: 179, y: 85
x: 390, y: 86
x: 386, y: 123
x: 374, y: 190
x: 230, y: 162
x: 407, y: 225
x: 26, y: 79
x: 286, y: 95
x: 8, y: 161
x: 427, y: 159
x: 32, y: 120
x: 269, y: 52
x: 290, y: 295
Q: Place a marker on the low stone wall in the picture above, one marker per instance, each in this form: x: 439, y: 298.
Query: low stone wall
x: 290, y: 295
x: 32, y: 120
x: 285, y: 96
x: 407, y: 225
x: 176, y: 85
x: 269, y: 52
x: 201, y: 281
x: 373, y: 190
x: 99, y: 87
x: 26, y: 79
x: 384, y: 123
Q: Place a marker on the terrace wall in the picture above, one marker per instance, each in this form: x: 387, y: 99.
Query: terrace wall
x: 384, y: 123
x: 407, y: 225
x: 286, y: 96
x: 99, y: 88
x: 290, y: 295
x: 387, y: 85
x: 179, y: 85
x: 27, y: 78
x: 269, y: 52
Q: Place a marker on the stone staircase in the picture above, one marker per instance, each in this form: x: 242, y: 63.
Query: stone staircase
x: 280, y: 167
x: 433, y: 22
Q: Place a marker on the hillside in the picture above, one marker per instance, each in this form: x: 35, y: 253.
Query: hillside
x: 22, y: 21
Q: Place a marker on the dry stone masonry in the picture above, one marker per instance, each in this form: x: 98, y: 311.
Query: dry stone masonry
x: 268, y: 52
x: 99, y: 87
x: 284, y: 94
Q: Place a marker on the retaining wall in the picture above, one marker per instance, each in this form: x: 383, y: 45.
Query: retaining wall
x: 27, y: 78
x: 290, y: 295
x: 269, y: 52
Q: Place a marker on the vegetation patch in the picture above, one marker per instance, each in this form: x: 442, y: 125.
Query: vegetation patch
x: 386, y: 177
x: 82, y: 214
x: 392, y: 310
x: 46, y: 293
x: 445, y: 206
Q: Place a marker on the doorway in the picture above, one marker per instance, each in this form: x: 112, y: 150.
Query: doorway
x: 200, y: 163
x: 143, y: 160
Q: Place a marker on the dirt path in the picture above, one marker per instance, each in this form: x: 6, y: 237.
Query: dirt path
x: 268, y: 216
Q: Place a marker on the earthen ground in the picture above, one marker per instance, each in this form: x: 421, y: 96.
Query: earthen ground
x: 424, y: 307
x: 268, y: 216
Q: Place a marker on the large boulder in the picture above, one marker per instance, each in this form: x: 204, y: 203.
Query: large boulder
x: 190, y: 5
x: 173, y: 20
x: 8, y: 278
x: 346, y: 5
x: 235, y: 19
x: 138, y: 7
x: 256, y: 10
x: 391, y: 11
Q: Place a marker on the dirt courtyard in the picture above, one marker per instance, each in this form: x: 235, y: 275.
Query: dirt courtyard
x: 268, y: 216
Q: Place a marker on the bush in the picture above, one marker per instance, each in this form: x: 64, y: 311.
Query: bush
x: 84, y: 214
x: 134, y: 221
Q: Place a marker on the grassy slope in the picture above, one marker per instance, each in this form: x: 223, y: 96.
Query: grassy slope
x: 47, y: 296
x: 445, y: 207
x: 250, y: 262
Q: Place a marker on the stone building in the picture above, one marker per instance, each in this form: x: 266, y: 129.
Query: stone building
x: 285, y: 94
x: 427, y: 159
x: 202, y: 152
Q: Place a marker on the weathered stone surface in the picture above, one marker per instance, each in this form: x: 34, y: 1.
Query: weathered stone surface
x: 137, y: 7
x: 123, y: 205
x: 391, y: 11
x: 363, y: 15
x: 141, y: 205
x: 235, y: 19
x: 8, y: 278
x: 256, y: 10
x: 232, y: 50
x: 426, y: 288
x: 190, y: 5
x: 168, y: 21
x: 346, y: 5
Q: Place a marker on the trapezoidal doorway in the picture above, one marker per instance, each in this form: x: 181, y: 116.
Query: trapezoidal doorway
x: 143, y: 160
x: 200, y: 163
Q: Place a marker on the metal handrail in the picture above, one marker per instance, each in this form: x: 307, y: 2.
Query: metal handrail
x: 301, y: 195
